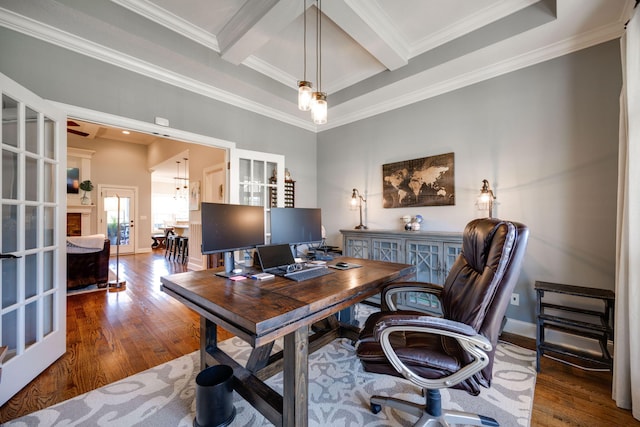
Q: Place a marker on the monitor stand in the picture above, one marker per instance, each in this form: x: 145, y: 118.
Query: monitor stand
x: 229, y: 266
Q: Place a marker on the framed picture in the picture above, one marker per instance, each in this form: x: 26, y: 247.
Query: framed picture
x: 73, y: 180
x: 194, y: 196
x: 428, y: 181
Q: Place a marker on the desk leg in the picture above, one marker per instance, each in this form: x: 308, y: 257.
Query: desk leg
x: 295, y: 411
x: 208, y: 339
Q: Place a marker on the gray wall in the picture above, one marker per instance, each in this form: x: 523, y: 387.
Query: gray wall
x: 545, y: 137
x: 61, y: 75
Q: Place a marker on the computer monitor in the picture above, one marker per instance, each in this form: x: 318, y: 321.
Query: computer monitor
x: 227, y: 228
x: 296, y: 226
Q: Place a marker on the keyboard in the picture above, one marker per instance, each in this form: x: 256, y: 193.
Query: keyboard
x: 311, y: 273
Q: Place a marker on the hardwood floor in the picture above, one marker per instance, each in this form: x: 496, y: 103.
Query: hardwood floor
x: 112, y: 335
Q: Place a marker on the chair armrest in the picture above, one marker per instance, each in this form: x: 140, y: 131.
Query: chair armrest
x: 473, y: 343
x: 401, y: 287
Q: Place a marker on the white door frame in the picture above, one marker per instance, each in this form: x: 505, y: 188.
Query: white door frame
x: 166, y: 132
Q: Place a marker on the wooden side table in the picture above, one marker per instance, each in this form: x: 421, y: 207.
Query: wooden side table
x: 593, y: 324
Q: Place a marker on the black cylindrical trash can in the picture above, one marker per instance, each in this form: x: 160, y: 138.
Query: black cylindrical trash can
x: 214, y: 397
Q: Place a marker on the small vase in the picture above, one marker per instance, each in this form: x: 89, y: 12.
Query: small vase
x: 84, y: 200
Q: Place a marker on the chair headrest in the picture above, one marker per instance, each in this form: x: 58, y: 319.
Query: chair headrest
x: 478, y: 235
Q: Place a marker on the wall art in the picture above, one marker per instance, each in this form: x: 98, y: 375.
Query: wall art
x: 428, y: 181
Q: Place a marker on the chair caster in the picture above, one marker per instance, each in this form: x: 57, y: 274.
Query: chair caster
x: 375, y: 408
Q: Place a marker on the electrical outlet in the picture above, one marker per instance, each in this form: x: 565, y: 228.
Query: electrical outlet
x: 515, y: 299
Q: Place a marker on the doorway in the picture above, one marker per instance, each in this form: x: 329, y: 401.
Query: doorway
x: 116, y: 213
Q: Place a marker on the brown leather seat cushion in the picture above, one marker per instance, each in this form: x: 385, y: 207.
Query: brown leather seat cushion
x: 424, y: 354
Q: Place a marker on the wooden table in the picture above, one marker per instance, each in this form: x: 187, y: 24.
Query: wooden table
x: 260, y: 312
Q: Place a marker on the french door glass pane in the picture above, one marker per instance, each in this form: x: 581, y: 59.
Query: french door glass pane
x: 111, y: 206
x: 30, y: 227
x: 49, y: 179
x: 49, y: 226
x: 30, y: 275
x: 9, y: 229
x: 47, y: 277
x: 245, y: 170
x: 9, y: 282
x: 258, y: 172
x: 47, y: 315
x: 31, y: 179
x: 31, y: 324
x: 9, y: 332
x: 9, y: 121
x: 49, y: 139
x: 9, y: 175
x: 31, y: 131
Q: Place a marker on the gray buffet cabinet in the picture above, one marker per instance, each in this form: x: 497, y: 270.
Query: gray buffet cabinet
x: 433, y: 253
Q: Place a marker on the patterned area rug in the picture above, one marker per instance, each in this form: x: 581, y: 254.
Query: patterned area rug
x: 339, y: 392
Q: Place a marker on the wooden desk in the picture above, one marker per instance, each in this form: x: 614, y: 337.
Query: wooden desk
x: 260, y: 312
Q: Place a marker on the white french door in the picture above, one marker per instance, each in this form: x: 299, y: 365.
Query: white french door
x: 250, y: 181
x: 32, y: 236
x: 116, y: 210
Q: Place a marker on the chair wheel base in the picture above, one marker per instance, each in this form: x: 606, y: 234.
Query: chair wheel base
x: 375, y: 408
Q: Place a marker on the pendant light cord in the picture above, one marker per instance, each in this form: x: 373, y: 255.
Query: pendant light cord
x: 319, y: 44
x: 304, y: 17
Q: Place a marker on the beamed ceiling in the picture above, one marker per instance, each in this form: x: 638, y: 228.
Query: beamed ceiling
x: 377, y: 55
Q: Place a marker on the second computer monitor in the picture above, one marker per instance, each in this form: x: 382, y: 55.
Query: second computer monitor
x: 296, y: 225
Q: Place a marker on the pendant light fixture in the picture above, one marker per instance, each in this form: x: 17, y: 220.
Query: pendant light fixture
x: 185, y: 180
x: 304, y: 87
x: 177, y: 179
x: 181, y: 182
x: 319, y: 98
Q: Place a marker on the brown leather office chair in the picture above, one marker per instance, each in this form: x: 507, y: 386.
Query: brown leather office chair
x: 457, y: 349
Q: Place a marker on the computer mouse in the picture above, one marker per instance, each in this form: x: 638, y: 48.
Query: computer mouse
x: 342, y: 264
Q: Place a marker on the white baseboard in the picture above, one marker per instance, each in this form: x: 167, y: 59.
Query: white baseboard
x: 518, y: 327
x: 195, y: 267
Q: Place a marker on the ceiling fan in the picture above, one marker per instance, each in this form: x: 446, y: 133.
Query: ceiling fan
x: 75, y: 131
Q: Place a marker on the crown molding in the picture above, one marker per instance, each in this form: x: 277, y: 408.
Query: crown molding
x: 429, y: 89
x: 167, y: 19
x: 85, y: 47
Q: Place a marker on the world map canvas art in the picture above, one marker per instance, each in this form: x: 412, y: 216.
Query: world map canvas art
x: 428, y: 181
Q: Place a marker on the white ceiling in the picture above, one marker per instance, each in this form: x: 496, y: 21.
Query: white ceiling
x: 377, y: 55
x: 167, y: 171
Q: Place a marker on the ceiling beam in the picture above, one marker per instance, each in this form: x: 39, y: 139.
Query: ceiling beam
x: 365, y: 22
x: 253, y: 26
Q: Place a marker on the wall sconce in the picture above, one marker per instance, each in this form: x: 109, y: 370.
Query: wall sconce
x: 355, y: 195
x: 486, y: 198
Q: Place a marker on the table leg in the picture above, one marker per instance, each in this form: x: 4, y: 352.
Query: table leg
x: 208, y: 339
x: 295, y: 411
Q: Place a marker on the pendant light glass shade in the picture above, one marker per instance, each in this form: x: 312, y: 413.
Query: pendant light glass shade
x: 305, y: 93
x: 319, y: 108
